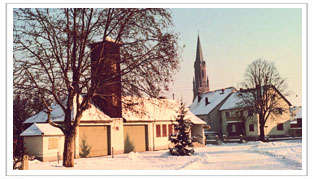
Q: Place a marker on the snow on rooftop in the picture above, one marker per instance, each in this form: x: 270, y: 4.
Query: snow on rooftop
x: 41, y: 129
x: 152, y: 109
x: 57, y: 115
x: 233, y: 101
x: 299, y: 114
x: 214, y: 98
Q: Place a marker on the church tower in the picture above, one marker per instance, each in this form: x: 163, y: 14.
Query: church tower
x: 201, y: 82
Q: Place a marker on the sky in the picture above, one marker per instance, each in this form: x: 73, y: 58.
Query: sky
x: 231, y: 39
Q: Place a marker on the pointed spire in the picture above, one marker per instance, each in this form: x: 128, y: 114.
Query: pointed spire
x: 199, y: 53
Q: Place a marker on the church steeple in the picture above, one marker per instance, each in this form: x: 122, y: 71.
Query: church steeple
x: 199, y: 53
x: 201, y: 83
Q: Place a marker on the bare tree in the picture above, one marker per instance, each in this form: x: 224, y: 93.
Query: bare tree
x: 52, y: 55
x: 264, y: 91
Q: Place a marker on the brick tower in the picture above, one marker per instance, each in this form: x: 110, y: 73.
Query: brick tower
x: 108, y: 97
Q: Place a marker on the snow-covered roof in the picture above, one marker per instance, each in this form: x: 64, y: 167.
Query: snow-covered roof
x: 214, y: 99
x: 41, y: 129
x: 298, y: 114
x: 233, y: 101
x: 57, y: 114
x: 152, y: 109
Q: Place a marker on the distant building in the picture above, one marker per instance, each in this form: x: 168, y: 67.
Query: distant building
x: 296, y: 122
x: 201, y: 81
x: 238, y: 120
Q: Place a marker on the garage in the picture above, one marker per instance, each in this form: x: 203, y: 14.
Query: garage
x: 97, y: 138
x: 135, y: 138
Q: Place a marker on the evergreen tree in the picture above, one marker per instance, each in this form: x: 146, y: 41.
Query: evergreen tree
x: 182, y: 138
x: 85, y: 148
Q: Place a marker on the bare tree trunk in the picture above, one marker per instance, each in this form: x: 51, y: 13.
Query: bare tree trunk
x: 68, y: 154
x: 262, y: 131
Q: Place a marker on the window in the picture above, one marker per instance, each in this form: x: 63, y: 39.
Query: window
x: 164, y: 130
x: 158, y: 131
x: 280, y: 110
x: 238, y: 113
x: 53, y: 143
x: 250, y: 113
x: 251, y: 127
x: 170, y: 129
x: 227, y: 114
x: 280, y: 126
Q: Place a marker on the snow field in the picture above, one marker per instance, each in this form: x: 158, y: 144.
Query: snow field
x: 278, y: 155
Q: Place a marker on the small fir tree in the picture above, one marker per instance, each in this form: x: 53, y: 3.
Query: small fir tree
x: 85, y: 148
x: 182, y: 138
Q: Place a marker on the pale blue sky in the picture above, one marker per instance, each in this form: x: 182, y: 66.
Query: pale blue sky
x: 233, y: 38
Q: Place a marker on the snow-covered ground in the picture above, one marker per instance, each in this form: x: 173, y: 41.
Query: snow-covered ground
x: 278, y: 155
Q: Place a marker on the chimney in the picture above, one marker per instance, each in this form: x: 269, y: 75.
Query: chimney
x: 206, y: 101
x: 222, y: 92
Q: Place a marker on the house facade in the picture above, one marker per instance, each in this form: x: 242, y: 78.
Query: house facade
x: 238, y: 120
x: 155, y: 118
x: 206, y: 106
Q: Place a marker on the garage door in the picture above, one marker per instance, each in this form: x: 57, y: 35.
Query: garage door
x: 135, y: 138
x: 96, y: 137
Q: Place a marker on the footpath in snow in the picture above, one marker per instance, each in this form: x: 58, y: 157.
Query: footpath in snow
x: 278, y: 155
